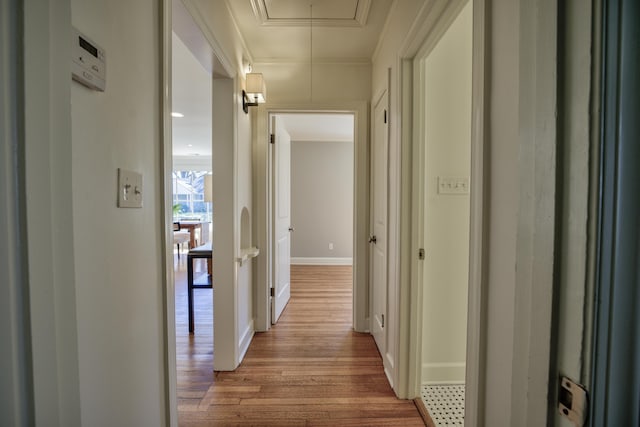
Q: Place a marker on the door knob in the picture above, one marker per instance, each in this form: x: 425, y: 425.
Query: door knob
x: 291, y: 229
x: 373, y: 239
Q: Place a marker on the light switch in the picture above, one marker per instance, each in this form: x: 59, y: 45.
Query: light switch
x: 453, y: 185
x: 129, y: 189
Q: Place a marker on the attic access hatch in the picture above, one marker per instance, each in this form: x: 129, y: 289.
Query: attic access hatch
x: 331, y: 13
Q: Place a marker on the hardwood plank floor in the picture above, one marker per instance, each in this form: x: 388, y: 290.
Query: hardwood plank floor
x: 310, y: 369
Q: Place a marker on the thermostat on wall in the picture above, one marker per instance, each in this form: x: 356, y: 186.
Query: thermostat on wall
x: 88, y: 66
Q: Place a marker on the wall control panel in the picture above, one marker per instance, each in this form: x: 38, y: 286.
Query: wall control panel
x: 88, y: 65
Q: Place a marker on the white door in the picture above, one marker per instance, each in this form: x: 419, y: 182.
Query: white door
x: 281, y: 291
x: 378, y: 239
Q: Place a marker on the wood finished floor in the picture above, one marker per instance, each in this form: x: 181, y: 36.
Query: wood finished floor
x: 310, y: 369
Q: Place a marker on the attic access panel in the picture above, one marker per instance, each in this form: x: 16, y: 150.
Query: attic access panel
x: 347, y: 13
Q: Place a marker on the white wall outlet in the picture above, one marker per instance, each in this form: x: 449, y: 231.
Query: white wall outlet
x: 129, y: 189
x: 453, y: 185
x: 330, y: 246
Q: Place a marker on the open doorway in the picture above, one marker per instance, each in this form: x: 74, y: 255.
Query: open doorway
x: 201, y: 106
x: 442, y: 159
x: 192, y: 213
x: 312, y: 195
x: 317, y: 138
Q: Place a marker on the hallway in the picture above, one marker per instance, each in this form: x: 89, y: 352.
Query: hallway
x: 309, y: 369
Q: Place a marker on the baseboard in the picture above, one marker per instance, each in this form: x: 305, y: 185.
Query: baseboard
x: 245, y: 340
x: 321, y: 261
x: 443, y: 373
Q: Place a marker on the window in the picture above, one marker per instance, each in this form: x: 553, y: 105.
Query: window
x: 188, y: 196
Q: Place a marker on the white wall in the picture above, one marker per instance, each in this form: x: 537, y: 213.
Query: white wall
x: 521, y: 195
x: 47, y: 194
x: 501, y: 242
x: 337, y: 87
x: 322, y: 201
x: 447, y: 153
x: 288, y: 82
x: 118, y: 254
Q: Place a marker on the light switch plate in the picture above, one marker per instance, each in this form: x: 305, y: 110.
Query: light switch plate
x: 453, y: 185
x: 129, y: 189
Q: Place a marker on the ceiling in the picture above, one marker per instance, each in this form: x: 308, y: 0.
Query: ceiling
x: 191, y: 96
x: 279, y: 31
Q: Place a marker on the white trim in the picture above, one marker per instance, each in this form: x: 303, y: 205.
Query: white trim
x: 49, y: 212
x: 16, y: 364
x: 326, y: 60
x: 388, y: 372
x: 359, y: 19
x: 476, y: 304
x: 219, y: 53
x: 536, y: 225
x: 432, y: 22
x: 409, y: 329
x: 166, y: 166
x: 243, y: 42
x: 443, y: 373
x: 262, y: 185
x: 384, y: 32
x: 426, y: 383
x: 321, y: 261
x: 245, y: 341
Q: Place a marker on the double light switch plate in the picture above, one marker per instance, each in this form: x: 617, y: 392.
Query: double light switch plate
x: 129, y: 189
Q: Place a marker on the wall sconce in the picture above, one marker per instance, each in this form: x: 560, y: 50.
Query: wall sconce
x: 256, y: 92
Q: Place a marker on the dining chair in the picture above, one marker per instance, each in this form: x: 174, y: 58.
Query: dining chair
x: 180, y: 236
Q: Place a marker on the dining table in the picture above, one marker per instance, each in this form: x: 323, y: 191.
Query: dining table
x: 201, y: 252
x: 194, y: 227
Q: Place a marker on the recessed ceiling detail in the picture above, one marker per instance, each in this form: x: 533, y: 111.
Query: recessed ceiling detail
x: 326, y: 13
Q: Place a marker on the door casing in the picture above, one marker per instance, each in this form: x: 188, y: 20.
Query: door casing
x: 263, y: 185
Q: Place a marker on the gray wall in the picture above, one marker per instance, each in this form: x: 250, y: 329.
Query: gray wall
x: 321, y: 199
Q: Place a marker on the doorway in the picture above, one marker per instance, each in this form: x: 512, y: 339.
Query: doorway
x: 201, y: 105
x: 263, y: 168
x: 312, y: 194
x: 191, y: 153
x: 442, y: 76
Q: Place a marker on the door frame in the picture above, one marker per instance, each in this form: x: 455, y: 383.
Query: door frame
x: 17, y: 365
x: 411, y: 269
x: 615, y: 352
x: 263, y: 187
x: 221, y: 67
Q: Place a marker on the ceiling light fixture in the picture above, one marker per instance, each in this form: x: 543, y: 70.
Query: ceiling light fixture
x: 256, y: 92
x: 176, y: 114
